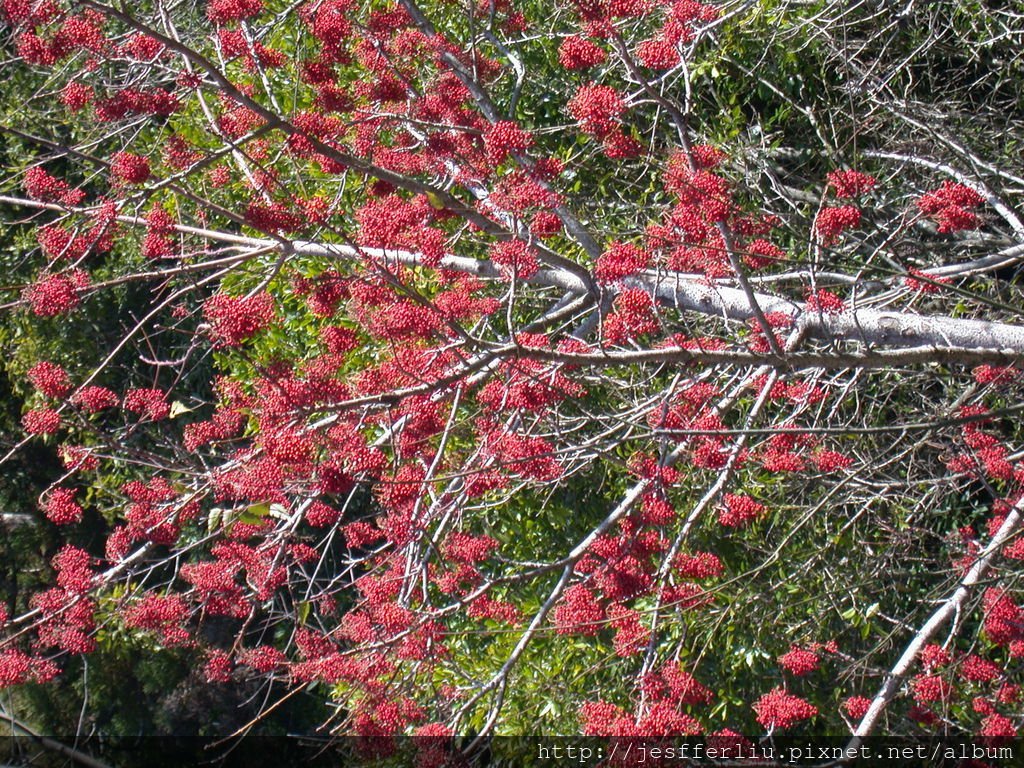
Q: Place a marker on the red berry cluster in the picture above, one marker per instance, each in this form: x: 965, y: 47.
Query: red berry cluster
x: 165, y: 614
x: 635, y: 315
x: 597, y: 108
x: 781, y: 454
x: 40, y: 185
x: 619, y: 146
x: 256, y: 480
x: 224, y: 425
x: 599, y: 718
x: 159, y: 229
x: 95, y: 399
x: 631, y: 634
x: 486, y: 607
x: 1004, y: 620
x: 702, y: 565
x: 704, y: 197
x: 658, y: 54
x: 779, y: 709
x: 934, y: 656
x: 263, y: 658
x: 132, y: 101
x: 514, y: 258
x: 50, y: 379
x: 235, y: 319
x: 76, y: 96
x: 61, y: 508
x: 800, y: 661
x: 14, y: 668
x: 833, y: 221
x: 919, y: 280
x: 850, y: 184
x: 221, y: 11
x: 321, y: 515
x: 951, y: 206
x: 179, y: 154
x: 56, y: 294
x: 461, y: 304
x: 76, y: 457
x: 273, y: 217
x: 825, y: 302
x: 738, y: 511
x: 29, y: 13
x: 151, y: 403
x: 577, y: 52
x: 856, y: 706
x: 831, y: 461
x: 621, y: 260
x: 360, y: 534
x: 392, y: 222
x: 579, y: 612
x: 466, y: 548
x: 142, y: 47
x: 74, y: 569
x: 931, y: 688
x: 995, y: 375
x: 59, y: 243
x: 41, y: 421
x: 215, y: 586
x: 130, y: 168
x: 505, y: 137
x: 997, y: 729
x: 218, y: 668
x: 978, y: 670
x: 673, y: 682
x: 761, y: 253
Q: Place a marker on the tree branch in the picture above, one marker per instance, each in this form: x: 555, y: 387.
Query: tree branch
x: 952, y: 605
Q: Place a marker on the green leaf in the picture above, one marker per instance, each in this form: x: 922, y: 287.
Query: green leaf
x: 178, y: 408
x: 214, y: 520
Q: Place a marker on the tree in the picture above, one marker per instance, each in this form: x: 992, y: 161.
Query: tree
x: 499, y: 367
